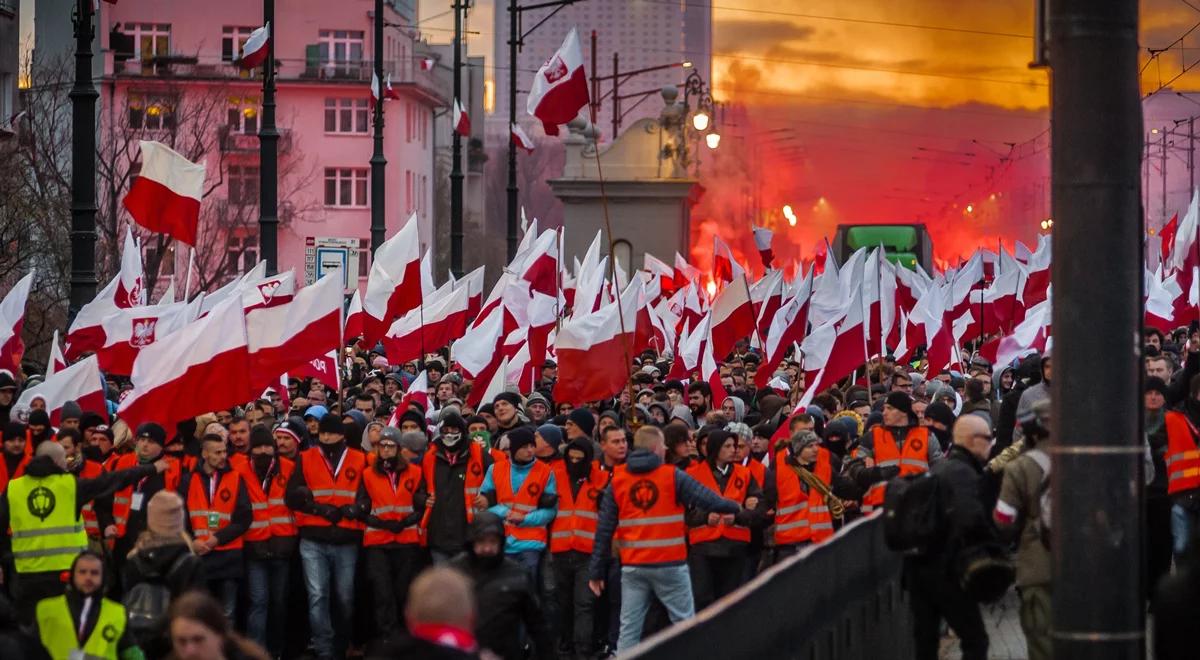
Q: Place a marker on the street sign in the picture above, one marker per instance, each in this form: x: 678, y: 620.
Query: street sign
x: 326, y: 254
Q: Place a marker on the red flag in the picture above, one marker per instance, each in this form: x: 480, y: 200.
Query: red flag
x: 559, y: 89
x: 12, y: 322
x: 593, y: 353
x: 128, y: 331
x: 254, y: 52
x: 433, y: 326
x: 762, y: 241
x: 725, y: 268
x: 417, y: 392
x: 732, y: 317
x: 521, y: 138
x: 165, y: 196
x: 57, y: 362
x: 394, y: 284
x: 324, y: 369
x: 462, y: 121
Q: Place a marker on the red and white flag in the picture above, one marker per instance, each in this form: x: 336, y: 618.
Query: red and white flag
x: 433, y: 326
x: 521, y: 138
x: 426, y: 63
x: 559, y: 89
x: 725, y: 267
x: 789, y: 324
x: 128, y: 331
x: 473, y: 281
x: 254, y: 51
x: 475, y: 349
x: 732, y: 317
x: 80, y: 382
x: 284, y: 337
x: 201, y: 368
x: 324, y: 369
x: 762, y: 241
x: 130, y: 292
x: 389, y: 93
x: 12, y: 322
x: 417, y: 392
x: 394, y: 283
x: 56, y: 362
x: 354, y: 317
x: 594, y: 352
x: 165, y: 196
x: 462, y: 121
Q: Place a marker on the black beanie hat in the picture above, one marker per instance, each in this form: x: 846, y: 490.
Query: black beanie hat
x: 900, y: 401
x: 39, y: 417
x: 412, y: 416
x: 511, y: 397
x: 152, y: 432
x: 519, y: 437
x: 716, y: 439
x: 453, y: 421
x: 260, y: 436
x: 941, y: 413
x: 14, y: 429
x: 582, y: 418
x: 331, y: 424
x: 1155, y: 384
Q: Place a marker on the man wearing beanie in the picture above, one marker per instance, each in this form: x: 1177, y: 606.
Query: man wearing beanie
x: 580, y: 424
x: 219, y: 515
x: 521, y: 491
x: 718, y: 544
x: 802, y: 515
x: 70, y: 415
x: 47, y: 532
x: 507, y: 409
x: 322, y: 492
x: 453, y: 468
x: 128, y: 505
x: 15, y: 458
x: 895, y: 448
x: 39, y: 429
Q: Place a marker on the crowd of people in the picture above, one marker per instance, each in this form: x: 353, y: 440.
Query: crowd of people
x: 328, y: 523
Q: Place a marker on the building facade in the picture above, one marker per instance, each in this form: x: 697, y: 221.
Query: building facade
x: 10, y: 63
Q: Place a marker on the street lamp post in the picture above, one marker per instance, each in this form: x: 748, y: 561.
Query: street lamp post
x: 378, y: 161
x: 268, y: 152
x: 83, y: 97
x: 456, y: 173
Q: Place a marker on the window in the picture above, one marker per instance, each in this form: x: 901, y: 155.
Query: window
x: 232, y: 40
x: 243, y: 184
x: 408, y: 121
x: 242, y: 115
x: 408, y: 191
x: 424, y: 195
x: 345, y: 186
x: 342, y: 53
x: 346, y: 115
x: 241, y: 253
x: 151, y: 112
x: 150, y: 40
x: 364, y: 257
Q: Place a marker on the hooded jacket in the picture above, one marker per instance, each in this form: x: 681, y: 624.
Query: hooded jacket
x: 739, y: 408
x: 447, y: 528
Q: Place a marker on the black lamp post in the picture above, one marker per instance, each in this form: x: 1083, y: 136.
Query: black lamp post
x: 378, y: 162
x: 83, y: 97
x: 456, y: 173
x: 268, y: 152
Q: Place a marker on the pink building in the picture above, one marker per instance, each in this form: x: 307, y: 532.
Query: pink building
x: 173, y: 79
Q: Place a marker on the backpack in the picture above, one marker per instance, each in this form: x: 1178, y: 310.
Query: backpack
x: 1043, y: 521
x: 147, y: 602
x: 914, y: 521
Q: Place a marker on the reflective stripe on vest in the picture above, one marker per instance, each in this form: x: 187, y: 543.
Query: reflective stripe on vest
x: 472, y: 480
x: 46, y: 534
x: 735, y: 489
x: 203, y: 513
x: 650, y: 527
x: 1183, y: 456
x: 392, y: 504
x: 574, y: 527
x: 123, y: 499
x: 524, y: 500
x: 56, y: 628
x: 338, y: 490
x: 912, y: 458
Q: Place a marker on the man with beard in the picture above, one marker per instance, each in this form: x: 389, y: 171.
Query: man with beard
x: 392, y: 497
x: 80, y: 466
x: 82, y: 623
x: 453, y: 469
x: 699, y: 400
x: 896, y: 447
x: 290, y: 436
x: 504, y: 591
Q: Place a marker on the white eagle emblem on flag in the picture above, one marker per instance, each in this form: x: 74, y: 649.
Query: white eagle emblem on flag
x: 267, y: 289
x: 143, y: 332
x: 556, y: 69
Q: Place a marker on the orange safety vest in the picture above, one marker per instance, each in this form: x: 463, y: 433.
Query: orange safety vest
x: 574, y: 528
x: 209, y: 516
x: 1183, y: 455
x: 913, y: 459
x: 392, y: 502
x: 336, y: 485
x: 123, y: 499
x: 735, y: 489
x: 801, y: 514
x: 758, y: 471
x: 650, y: 527
x: 271, y: 516
x: 90, y: 470
x: 471, y: 484
x: 525, y: 500
x: 5, y: 477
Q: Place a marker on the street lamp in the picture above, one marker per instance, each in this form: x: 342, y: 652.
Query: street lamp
x: 83, y: 97
x: 712, y: 140
x: 700, y: 121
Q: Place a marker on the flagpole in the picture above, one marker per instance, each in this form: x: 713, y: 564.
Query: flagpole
x: 187, y: 282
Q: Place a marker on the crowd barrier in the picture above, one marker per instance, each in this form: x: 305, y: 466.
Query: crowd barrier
x: 840, y: 600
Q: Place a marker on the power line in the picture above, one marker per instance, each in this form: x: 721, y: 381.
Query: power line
x: 906, y: 106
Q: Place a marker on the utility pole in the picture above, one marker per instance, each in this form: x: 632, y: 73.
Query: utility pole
x: 456, y: 173
x: 1096, y: 478
x: 616, y: 104
x: 83, y: 97
x: 1191, y: 155
x: 378, y: 161
x: 1163, y: 166
x: 268, y: 153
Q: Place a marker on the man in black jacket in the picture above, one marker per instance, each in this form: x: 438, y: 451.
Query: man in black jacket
x: 504, y: 592
x: 932, y: 579
x: 446, y: 526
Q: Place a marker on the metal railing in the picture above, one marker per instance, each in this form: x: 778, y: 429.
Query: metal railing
x: 839, y: 600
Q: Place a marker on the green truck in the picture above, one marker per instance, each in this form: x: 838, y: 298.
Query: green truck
x: 906, y: 244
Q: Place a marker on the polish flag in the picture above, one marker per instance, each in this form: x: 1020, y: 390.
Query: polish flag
x: 788, y: 325
x: 520, y: 138
x: 130, y: 292
x: 559, y: 89
x: 1027, y: 338
x: 684, y: 272
x: 849, y: 350
x: 389, y: 93
x: 323, y: 368
x: 283, y: 337
x: 710, y: 374
x: 473, y: 282
x: 539, y: 266
x: 725, y: 268
x: 56, y: 362
x: 272, y: 291
x: 732, y: 317
x: 165, y: 196
x: 254, y: 51
x: 394, y: 283
x: 660, y: 271
x: 427, y: 63
x: 433, y: 326
x: 462, y: 121
x: 354, y: 317
x: 203, y: 367
x: 86, y: 333
x: 473, y: 352
x: 593, y: 353
x: 817, y: 349
x: 417, y: 392
x: 1037, y: 282
x: 128, y: 331
x: 766, y: 295
x: 1161, y: 300
x: 12, y: 322
x: 687, y: 352
x: 762, y: 241
x: 1167, y: 234
x: 80, y: 382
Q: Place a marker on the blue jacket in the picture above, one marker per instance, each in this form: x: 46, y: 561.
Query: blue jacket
x: 536, y: 518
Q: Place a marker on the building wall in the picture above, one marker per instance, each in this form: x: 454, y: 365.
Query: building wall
x: 304, y: 85
x: 10, y: 25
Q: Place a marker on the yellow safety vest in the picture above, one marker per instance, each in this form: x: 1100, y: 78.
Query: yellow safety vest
x: 57, y: 630
x: 47, y: 533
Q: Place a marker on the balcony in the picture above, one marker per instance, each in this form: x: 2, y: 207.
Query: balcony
x: 236, y: 142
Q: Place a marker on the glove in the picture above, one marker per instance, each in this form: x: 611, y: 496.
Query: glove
x: 329, y: 512
x: 394, y: 526
x: 349, y: 512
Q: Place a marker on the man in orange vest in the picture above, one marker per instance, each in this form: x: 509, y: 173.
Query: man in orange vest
x: 322, y: 492
x: 80, y: 466
x: 522, y: 492
x: 15, y: 458
x: 898, y: 447
x: 128, y: 505
x: 219, y: 514
x: 453, y: 468
x: 718, y: 544
x: 643, y: 508
x: 392, y: 497
x: 802, y: 515
x: 1182, y: 460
